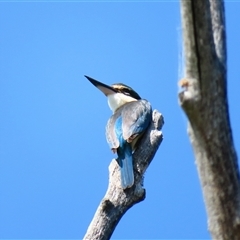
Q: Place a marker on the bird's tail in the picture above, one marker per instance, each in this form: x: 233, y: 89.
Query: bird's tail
x: 126, y: 165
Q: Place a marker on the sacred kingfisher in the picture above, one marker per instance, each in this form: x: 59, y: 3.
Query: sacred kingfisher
x: 131, y: 117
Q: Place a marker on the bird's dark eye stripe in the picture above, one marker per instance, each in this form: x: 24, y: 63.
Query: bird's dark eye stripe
x: 121, y: 88
x: 124, y: 91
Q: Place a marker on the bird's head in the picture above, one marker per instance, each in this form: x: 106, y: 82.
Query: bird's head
x: 118, y: 94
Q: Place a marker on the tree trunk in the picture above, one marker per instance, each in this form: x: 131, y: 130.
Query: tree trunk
x: 204, y: 100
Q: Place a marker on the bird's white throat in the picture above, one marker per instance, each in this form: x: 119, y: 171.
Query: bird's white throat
x: 116, y: 100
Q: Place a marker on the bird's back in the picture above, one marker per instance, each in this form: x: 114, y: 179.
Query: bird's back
x: 134, y: 118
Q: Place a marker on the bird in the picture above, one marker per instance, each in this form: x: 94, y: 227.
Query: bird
x: 130, y: 119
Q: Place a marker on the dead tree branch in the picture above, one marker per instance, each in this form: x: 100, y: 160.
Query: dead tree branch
x: 204, y: 100
x: 116, y: 200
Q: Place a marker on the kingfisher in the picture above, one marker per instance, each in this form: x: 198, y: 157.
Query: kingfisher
x: 131, y: 117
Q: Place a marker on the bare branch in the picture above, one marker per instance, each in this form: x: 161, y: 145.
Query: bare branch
x: 204, y: 100
x: 116, y: 200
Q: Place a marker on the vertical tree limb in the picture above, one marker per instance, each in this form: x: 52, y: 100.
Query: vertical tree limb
x: 116, y: 200
x: 204, y: 100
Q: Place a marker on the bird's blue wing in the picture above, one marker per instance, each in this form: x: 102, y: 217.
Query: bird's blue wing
x: 136, y: 117
x: 110, y: 131
x: 124, y: 151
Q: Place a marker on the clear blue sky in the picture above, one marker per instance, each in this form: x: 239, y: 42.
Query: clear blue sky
x: 53, y: 154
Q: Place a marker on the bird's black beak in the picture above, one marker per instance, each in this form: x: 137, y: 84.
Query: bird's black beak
x: 107, y: 90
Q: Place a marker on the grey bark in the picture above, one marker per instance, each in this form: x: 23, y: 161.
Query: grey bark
x: 204, y: 100
x: 116, y: 200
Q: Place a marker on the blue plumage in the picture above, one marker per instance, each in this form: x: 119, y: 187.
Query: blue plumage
x: 124, y: 152
x: 123, y: 129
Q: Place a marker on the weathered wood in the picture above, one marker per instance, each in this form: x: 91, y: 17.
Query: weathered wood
x: 204, y: 100
x: 116, y: 200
